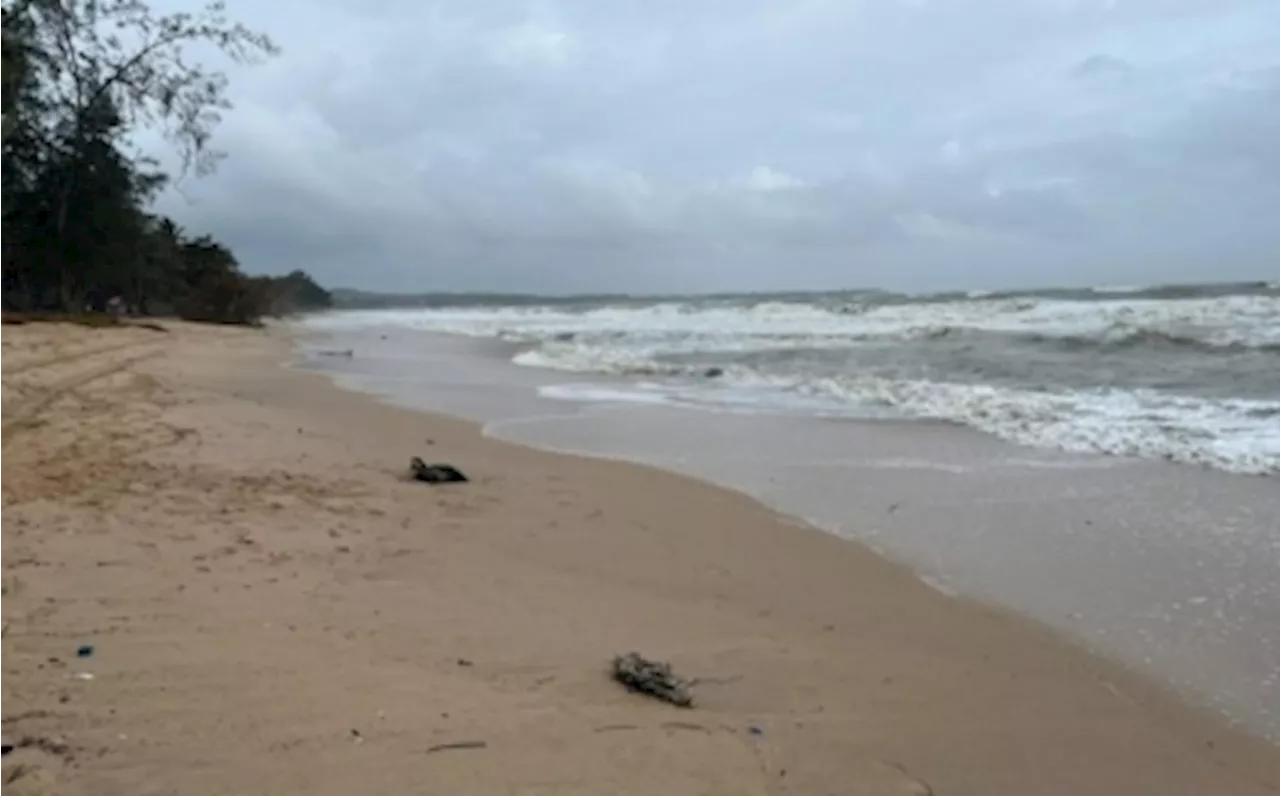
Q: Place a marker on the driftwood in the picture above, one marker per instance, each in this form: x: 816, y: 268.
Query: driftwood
x: 436, y: 473
x: 446, y: 747
x: 654, y: 678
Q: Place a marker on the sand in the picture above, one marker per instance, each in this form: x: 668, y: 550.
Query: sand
x: 273, y: 608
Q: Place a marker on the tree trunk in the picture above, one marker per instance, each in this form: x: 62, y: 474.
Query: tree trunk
x: 64, y: 208
x: 64, y: 287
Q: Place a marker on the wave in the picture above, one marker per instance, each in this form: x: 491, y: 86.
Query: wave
x: 1236, y: 436
x: 1124, y: 337
x: 590, y: 359
x: 1226, y: 322
x: 853, y: 353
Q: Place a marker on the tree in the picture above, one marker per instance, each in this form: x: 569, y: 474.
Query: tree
x: 296, y: 292
x: 90, y: 70
x: 78, y: 76
x: 118, y: 51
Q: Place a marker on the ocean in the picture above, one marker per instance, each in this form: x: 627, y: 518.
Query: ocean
x: 1188, y: 374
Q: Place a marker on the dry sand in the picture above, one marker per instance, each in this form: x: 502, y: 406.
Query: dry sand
x: 273, y: 609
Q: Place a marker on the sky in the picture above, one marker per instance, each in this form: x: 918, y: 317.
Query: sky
x: 675, y: 145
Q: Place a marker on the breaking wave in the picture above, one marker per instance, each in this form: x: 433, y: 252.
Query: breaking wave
x: 1190, y: 376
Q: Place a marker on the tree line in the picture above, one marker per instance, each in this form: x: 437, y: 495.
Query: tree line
x: 79, y: 76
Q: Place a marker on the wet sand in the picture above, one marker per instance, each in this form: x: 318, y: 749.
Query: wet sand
x: 272, y: 608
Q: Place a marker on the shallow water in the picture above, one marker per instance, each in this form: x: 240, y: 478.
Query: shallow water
x: 1173, y: 569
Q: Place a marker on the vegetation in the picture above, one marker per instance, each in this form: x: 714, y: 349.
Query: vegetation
x: 79, y: 76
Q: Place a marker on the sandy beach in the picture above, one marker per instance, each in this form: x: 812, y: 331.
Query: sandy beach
x: 218, y: 581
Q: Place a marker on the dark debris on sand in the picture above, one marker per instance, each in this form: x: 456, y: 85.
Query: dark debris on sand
x: 654, y: 678
x: 435, y: 473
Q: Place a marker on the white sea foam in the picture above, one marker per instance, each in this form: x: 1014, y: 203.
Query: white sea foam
x: 654, y: 341
x: 1233, y: 435
x: 1239, y: 320
x: 1237, y: 436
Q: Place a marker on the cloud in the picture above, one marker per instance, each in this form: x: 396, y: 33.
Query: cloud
x: 1102, y: 67
x: 744, y: 144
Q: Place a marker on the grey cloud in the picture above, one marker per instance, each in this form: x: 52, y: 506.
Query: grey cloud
x: 1102, y: 66
x: 564, y: 146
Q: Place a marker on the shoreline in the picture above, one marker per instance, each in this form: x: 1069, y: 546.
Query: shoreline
x: 236, y: 538
x: 1161, y: 567
x: 499, y: 428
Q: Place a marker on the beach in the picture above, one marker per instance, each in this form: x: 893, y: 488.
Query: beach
x: 1094, y: 460
x: 218, y: 580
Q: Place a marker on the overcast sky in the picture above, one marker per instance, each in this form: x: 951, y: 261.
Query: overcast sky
x: 665, y: 145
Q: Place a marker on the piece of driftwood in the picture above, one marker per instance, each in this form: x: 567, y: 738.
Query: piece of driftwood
x: 435, y: 473
x: 448, y: 747
x: 654, y: 678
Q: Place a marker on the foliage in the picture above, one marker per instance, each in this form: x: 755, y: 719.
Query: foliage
x: 78, y: 77
x: 298, y: 291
